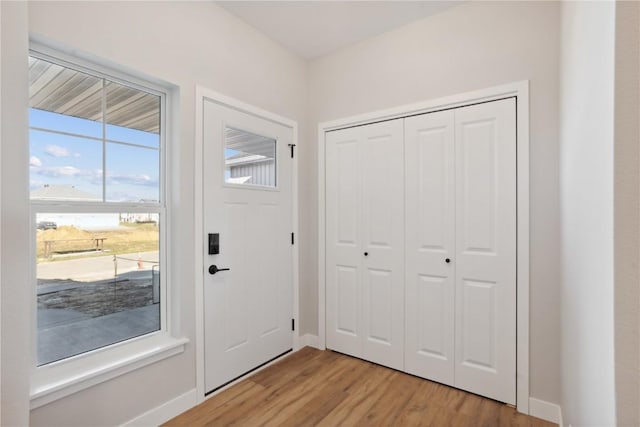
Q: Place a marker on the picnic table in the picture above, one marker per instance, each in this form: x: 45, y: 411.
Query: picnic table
x: 97, y: 244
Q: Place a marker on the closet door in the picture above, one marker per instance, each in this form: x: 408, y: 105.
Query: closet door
x: 383, y: 238
x: 485, y: 260
x: 343, y: 242
x: 430, y: 245
x: 365, y: 242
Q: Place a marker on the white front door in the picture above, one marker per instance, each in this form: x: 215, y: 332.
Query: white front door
x: 365, y: 234
x: 247, y: 203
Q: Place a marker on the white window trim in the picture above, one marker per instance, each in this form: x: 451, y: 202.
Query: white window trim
x: 59, y: 379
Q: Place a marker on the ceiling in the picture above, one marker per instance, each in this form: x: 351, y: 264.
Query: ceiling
x: 311, y: 29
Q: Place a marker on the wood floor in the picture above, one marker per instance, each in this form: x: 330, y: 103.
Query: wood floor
x: 313, y: 387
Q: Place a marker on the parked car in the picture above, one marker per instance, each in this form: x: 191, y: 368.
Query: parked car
x: 47, y: 225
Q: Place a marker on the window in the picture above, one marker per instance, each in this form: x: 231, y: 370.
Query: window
x: 96, y: 187
x: 250, y: 159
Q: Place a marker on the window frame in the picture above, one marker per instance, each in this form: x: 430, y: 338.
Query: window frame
x: 61, y: 378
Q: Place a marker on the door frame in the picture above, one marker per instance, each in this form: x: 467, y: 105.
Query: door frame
x: 520, y: 90
x: 203, y: 94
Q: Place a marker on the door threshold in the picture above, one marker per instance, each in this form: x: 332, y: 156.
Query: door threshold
x: 247, y: 373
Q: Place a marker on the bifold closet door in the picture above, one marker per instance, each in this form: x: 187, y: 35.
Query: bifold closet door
x: 461, y: 248
x: 365, y: 242
x: 430, y: 245
x: 485, y: 260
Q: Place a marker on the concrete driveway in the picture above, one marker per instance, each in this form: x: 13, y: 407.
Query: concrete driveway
x: 65, y: 331
x: 96, y: 268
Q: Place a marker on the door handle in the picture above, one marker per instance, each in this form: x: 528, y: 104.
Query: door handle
x: 214, y: 269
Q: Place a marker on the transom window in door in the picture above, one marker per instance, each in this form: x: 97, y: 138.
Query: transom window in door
x: 249, y: 158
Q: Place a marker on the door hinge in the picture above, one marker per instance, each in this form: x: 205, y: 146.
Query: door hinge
x: 291, y: 146
x: 293, y: 240
x: 293, y: 324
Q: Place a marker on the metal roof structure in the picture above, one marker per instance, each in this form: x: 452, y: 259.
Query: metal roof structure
x: 249, y: 143
x: 62, y: 90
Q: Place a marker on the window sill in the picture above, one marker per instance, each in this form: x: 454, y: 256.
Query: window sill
x: 60, y: 379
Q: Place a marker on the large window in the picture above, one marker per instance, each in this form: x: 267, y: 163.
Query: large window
x: 96, y: 181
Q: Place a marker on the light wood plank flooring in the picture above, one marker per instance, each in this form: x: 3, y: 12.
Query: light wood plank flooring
x: 313, y: 387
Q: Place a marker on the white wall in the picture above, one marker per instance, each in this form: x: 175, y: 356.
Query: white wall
x: 184, y: 43
x: 16, y: 300
x: 471, y: 46
x: 587, y: 184
x: 627, y: 209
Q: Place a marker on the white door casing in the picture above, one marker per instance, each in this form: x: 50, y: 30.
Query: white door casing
x: 485, y: 260
x: 248, y: 309
x: 430, y: 242
x: 365, y: 231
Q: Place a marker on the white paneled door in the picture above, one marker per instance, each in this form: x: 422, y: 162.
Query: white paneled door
x: 365, y: 242
x: 485, y: 259
x: 248, y: 205
x: 421, y: 245
x: 461, y: 248
x: 430, y: 245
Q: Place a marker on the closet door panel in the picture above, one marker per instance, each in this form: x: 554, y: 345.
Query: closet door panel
x: 343, y: 242
x: 383, y: 237
x: 486, y: 249
x: 430, y: 212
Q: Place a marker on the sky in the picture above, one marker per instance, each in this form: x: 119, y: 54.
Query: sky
x: 132, y: 172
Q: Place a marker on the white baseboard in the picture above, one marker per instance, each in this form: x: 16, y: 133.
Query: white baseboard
x: 546, y: 410
x: 164, y: 412
x: 308, y: 340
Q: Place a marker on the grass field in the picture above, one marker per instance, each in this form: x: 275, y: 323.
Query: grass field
x: 128, y: 238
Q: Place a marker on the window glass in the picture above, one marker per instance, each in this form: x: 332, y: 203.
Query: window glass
x: 63, y: 167
x: 98, y: 280
x: 132, y: 174
x: 132, y: 115
x: 68, y: 141
x: 64, y: 100
x: 250, y: 159
x: 94, y: 142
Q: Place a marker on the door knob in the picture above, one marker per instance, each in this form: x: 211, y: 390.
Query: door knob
x: 447, y: 260
x: 366, y: 254
x: 214, y: 269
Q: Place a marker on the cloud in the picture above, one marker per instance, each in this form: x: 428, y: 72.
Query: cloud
x: 34, y: 161
x: 59, y: 171
x: 133, y: 179
x: 70, y: 171
x: 58, y: 151
x: 94, y: 176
